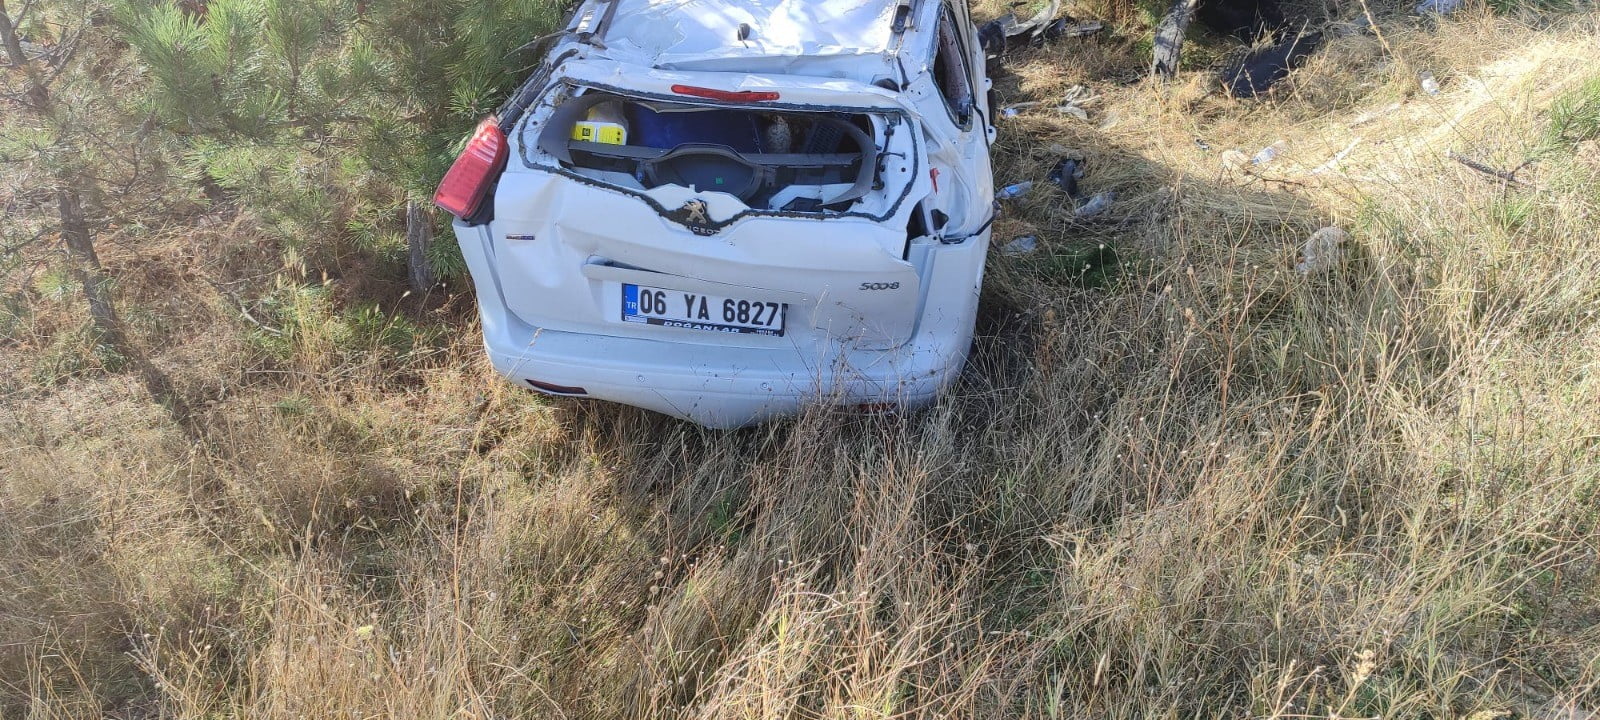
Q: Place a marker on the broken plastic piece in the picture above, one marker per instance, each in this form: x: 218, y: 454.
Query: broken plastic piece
x: 1074, y: 111
x: 1323, y: 251
x: 1014, y: 191
x: 1097, y: 204
x: 1428, y: 83
x: 1021, y: 245
x: 1016, y: 109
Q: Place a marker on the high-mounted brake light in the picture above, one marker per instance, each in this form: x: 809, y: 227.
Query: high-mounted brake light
x: 469, y: 178
x: 725, y: 95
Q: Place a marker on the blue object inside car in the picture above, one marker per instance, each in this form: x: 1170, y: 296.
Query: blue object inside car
x: 668, y: 130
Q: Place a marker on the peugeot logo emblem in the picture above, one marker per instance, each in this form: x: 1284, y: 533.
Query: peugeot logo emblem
x: 693, y: 215
x: 695, y: 212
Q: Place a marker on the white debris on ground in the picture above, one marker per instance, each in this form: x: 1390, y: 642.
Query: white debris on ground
x: 1074, y: 111
x: 1333, y: 163
x: 1021, y: 245
x: 1233, y: 159
x: 1266, y: 154
x: 1438, y: 7
x: 1323, y: 252
x: 1016, y: 109
x: 1428, y: 83
x: 1096, y: 205
x: 1371, y: 115
x: 1075, y: 100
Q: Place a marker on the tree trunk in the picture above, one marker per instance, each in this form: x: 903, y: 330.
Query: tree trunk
x: 419, y: 238
x: 79, y: 238
x: 86, y: 268
x: 1168, y: 46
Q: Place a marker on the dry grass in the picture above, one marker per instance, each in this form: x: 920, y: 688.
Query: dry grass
x: 1201, y: 485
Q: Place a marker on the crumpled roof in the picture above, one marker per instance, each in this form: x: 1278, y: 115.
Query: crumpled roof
x: 684, y: 33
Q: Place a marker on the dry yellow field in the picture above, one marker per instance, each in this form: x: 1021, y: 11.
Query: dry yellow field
x: 1180, y: 479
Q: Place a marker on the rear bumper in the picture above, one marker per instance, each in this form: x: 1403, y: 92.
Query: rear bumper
x: 713, y: 386
x: 720, y: 386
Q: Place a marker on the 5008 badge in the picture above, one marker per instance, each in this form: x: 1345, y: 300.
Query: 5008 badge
x: 880, y: 286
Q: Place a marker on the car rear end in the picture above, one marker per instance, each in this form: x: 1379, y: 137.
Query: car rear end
x: 717, y: 246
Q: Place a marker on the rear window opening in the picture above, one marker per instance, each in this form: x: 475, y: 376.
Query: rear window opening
x: 772, y: 160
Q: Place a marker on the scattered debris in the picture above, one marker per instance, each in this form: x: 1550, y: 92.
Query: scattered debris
x: 1066, y: 174
x: 1356, y: 26
x: 1016, y: 109
x: 1014, y: 191
x: 1005, y: 32
x: 1438, y: 7
x: 1268, y: 153
x: 1203, y: 145
x: 1074, y: 111
x: 1334, y: 161
x: 1074, y: 101
x: 1097, y: 204
x: 1068, y: 28
x: 1369, y: 116
x: 1429, y: 85
x: 1021, y: 245
x: 1255, y: 71
x: 1508, y: 176
x: 1079, y: 95
x: 1323, y: 252
x: 1246, y: 20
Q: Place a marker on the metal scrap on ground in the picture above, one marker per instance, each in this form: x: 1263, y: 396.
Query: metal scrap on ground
x: 1005, y: 32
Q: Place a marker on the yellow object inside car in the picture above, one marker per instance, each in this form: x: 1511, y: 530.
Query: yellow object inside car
x: 597, y: 131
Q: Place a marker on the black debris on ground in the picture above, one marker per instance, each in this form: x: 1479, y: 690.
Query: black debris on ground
x: 1255, y: 71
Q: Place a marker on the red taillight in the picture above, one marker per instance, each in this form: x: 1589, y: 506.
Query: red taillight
x: 724, y: 95
x: 463, y: 188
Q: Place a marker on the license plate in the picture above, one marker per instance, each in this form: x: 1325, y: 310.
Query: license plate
x: 699, y: 311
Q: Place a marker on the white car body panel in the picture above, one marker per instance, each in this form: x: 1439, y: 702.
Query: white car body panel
x: 876, y: 315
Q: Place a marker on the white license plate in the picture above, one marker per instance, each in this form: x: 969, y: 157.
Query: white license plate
x: 699, y: 311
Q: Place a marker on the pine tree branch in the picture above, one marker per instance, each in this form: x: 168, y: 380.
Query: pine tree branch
x: 11, y: 250
x: 62, y: 58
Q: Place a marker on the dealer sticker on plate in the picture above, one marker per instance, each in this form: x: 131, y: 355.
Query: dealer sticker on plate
x: 698, y: 311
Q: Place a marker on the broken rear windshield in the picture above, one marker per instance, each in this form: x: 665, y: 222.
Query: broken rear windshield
x: 772, y: 159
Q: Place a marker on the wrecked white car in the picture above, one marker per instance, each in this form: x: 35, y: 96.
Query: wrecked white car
x: 727, y: 210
